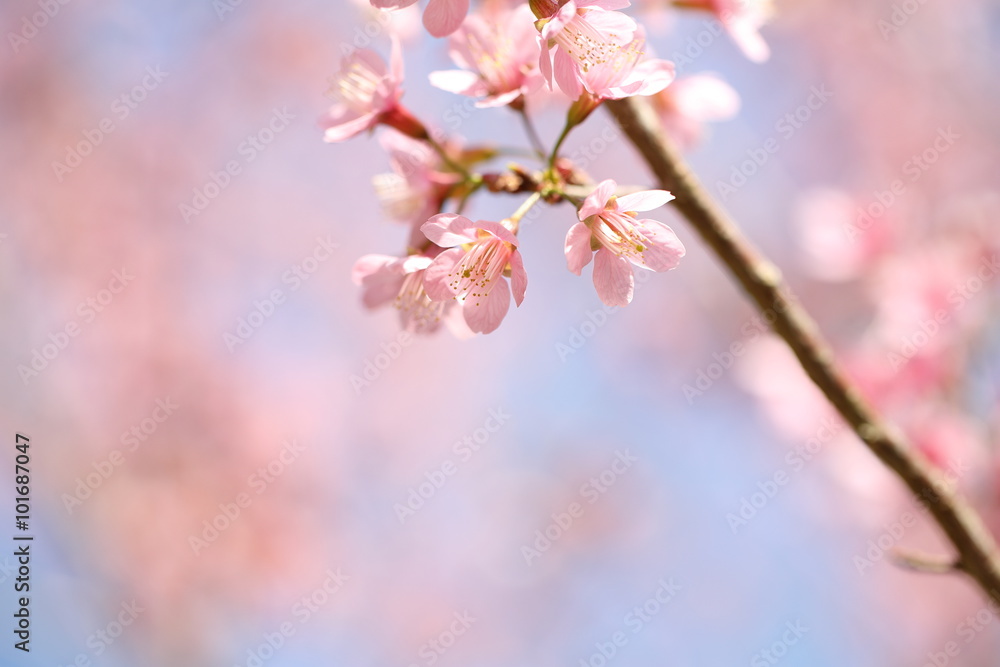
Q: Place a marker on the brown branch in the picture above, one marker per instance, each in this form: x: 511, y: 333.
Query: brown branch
x: 976, y: 548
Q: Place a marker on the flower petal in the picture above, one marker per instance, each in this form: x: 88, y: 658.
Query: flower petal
x: 338, y: 127
x: 597, y: 200
x: 437, y: 282
x: 577, y: 248
x: 449, y: 229
x: 484, y: 314
x: 497, y: 230
x: 380, y: 278
x: 652, y: 76
x: 646, y: 200
x: 368, y: 265
x: 443, y: 17
x: 705, y: 97
x: 613, y: 278
x: 395, y: 60
x: 518, y: 277
x: 616, y: 27
x: 565, y: 69
x: 665, y: 250
x: 501, y: 100
x: 748, y: 38
x: 559, y: 20
x: 458, y: 81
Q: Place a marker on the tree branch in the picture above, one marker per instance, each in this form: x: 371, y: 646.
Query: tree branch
x: 977, y: 551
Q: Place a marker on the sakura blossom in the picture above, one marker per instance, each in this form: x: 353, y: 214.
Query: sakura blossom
x: 366, y: 93
x: 692, y: 101
x: 417, y: 186
x: 610, y: 232
x: 498, y: 54
x: 400, y: 281
x: 474, y: 272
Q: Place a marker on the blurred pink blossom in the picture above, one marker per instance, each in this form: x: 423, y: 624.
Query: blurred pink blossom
x: 498, y: 54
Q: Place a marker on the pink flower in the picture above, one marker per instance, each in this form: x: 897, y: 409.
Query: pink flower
x: 608, y: 225
x: 366, y: 94
x: 441, y: 18
x: 416, y: 188
x: 472, y: 271
x: 400, y: 280
x: 622, y: 75
x: 498, y: 53
x: 692, y: 101
x: 599, y: 51
x: 579, y: 36
x: 742, y: 19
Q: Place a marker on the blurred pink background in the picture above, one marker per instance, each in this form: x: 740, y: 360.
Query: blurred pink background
x: 150, y: 424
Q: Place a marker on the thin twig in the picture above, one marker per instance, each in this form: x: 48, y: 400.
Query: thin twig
x: 976, y: 548
x: 921, y: 562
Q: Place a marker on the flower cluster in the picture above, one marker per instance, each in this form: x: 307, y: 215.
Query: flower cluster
x: 464, y: 272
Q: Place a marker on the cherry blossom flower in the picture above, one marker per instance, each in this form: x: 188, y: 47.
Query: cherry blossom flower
x: 609, y: 225
x: 400, y: 280
x: 499, y: 55
x: 599, y: 51
x: 742, y: 20
x: 692, y: 101
x: 472, y: 272
x: 367, y: 93
x: 441, y: 18
x: 581, y: 35
x: 417, y: 186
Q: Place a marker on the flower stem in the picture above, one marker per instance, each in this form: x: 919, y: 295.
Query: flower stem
x: 529, y: 129
x: 454, y: 166
x: 559, y: 142
x: 515, y: 217
x: 976, y: 549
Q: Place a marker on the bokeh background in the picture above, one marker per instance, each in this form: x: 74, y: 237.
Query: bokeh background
x: 319, y: 549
